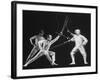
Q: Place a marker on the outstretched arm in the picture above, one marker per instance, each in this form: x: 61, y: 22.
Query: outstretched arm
x: 70, y: 32
x: 72, y: 39
x: 54, y: 40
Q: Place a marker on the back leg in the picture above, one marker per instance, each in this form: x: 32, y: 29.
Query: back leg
x: 32, y: 53
x: 34, y: 58
x: 83, y: 52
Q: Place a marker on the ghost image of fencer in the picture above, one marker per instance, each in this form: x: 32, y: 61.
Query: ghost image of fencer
x: 44, y: 46
x: 35, y: 48
x: 80, y: 42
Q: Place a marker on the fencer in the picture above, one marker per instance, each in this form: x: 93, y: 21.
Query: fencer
x: 80, y: 42
x: 35, y: 48
x: 44, y: 46
x: 49, y: 53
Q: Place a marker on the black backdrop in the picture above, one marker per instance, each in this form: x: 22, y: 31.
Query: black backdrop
x: 51, y: 22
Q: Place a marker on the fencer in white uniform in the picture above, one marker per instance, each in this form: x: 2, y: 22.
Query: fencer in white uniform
x: 80, y: 42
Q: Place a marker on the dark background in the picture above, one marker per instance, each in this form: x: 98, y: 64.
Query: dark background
x: 51, y: 22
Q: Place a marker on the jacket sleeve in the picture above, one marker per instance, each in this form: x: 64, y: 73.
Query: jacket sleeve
x: 54, y: 40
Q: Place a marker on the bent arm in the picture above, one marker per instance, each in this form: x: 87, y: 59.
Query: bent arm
x: 32, y: 38
x: 85, y: 40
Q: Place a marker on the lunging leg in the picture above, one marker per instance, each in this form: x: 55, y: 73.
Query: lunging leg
x: 53, y: 57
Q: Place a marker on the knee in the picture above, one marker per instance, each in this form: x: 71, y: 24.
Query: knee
x: 72, y: 52
x: 53, y: 53
x: 83, y: 53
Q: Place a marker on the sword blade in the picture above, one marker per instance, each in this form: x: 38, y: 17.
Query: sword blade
x: 59, y: 44
x: 65, y: 23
